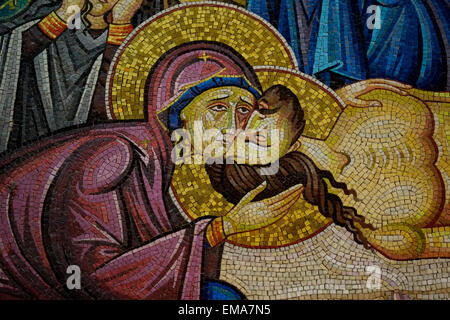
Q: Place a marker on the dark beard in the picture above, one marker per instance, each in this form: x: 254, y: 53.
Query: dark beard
x: 233, y: 181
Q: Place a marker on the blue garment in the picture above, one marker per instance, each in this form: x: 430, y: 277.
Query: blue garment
x: 331, y: 38
x: 331, y: 25
x: 213, y: 290
x: 409, y: 46
x: 218, y: 290
x: 339, y: 47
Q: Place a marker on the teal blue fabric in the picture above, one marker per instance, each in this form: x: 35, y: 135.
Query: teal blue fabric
x: 11, y: 8
x: 410, y: 46
x: 213, y: 290
x: 338, y: 45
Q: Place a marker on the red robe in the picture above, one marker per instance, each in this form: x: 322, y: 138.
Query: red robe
x: 97, y: 198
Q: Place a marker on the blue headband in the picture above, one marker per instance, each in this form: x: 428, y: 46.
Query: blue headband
x: 190, y: 94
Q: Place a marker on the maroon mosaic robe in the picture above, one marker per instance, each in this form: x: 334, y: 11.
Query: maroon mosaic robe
x: 97, y: 198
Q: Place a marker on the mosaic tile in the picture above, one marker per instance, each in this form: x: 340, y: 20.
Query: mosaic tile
x: 224, y: 150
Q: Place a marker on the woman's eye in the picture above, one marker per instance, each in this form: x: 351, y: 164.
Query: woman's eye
x: 219, y: 108
x: 243, y: 110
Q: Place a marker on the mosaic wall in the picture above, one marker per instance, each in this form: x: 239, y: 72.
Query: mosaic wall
x: 260, y: 149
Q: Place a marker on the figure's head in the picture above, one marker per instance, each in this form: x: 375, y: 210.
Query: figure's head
x: 209, y: 113
x: 279, y: 108
x: 274, y: 126
x: 249, y: 125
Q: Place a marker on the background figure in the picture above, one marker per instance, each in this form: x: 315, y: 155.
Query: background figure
x: 50, y: 86
x: 342, y: 41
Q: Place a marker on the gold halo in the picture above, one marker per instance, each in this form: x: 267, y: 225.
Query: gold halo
x: 196, y: 197
x: 262, y: 47
x: 249, y: 35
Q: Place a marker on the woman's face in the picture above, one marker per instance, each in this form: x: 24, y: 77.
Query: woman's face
x: 221, y: 112
x: 100, y: 7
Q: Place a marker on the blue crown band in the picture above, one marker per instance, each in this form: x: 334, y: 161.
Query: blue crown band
x: 190, y: 94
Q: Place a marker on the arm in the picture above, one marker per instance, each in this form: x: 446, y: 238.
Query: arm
x: 118, y: 31
x: 402, y: 241
x: 116, y: 35
x: 113, y: 224
x: 169, y: 267
x: 37, y: 38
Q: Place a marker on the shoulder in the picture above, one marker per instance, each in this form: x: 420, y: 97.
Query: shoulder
x: 102, y: 163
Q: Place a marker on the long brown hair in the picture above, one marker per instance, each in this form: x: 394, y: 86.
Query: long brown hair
x: 233, y: 181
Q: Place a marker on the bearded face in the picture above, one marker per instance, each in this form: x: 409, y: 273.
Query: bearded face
x: 274, y: 125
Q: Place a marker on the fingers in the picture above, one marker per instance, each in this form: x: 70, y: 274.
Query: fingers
x: 359, y: 103
x: 390, y: 88
x: 246, y: 217
x: 276, y: 211
x: 382, y: 86
x: 392, y: 83
x: 283, y: 208
x: 285, y: 196
x: 252, y: 194
x: 351, y: 93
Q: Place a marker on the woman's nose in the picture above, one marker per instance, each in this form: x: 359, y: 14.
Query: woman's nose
x: 259, y: 115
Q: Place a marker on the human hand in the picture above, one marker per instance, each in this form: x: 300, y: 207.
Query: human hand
x: 66, y: 10
x: 124, y: 10
x: 351, y: 93
x: 248, y: 216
